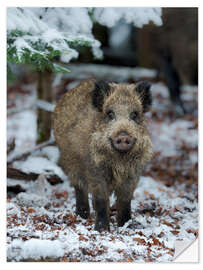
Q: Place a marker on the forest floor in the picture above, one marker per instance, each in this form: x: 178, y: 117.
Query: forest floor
x: 41, y: 220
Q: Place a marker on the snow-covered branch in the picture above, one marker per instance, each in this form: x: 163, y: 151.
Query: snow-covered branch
x: 114, y: 73
x: 37, y: 35
x: 16, y: 174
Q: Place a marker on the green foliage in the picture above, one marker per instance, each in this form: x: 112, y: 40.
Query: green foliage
x: 60, y: 68
x: 37, y: 53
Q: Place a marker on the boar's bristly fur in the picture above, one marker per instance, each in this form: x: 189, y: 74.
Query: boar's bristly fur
x: 104, y: 144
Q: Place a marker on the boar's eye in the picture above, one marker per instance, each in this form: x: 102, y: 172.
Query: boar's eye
x: 110, y: 114
x: 134, y: 116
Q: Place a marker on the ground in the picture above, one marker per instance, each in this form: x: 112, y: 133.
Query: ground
x: 42, y: 224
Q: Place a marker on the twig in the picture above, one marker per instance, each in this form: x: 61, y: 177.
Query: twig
x: 14, y: 190
x: 11, y: 145
x: 117, y: 73
x: 46, y: 106
x: 42, y: 104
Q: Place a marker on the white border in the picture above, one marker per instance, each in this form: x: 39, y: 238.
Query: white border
x: 3, y: 135
x: 99, y: 3
x: 63, y: 3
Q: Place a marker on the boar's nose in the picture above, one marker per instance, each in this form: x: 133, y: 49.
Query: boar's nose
x: 123, y: 142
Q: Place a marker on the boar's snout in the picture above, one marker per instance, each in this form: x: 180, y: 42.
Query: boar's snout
x: 122, y: 142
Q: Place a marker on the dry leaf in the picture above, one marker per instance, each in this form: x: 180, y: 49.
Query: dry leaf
x: 140, y: 240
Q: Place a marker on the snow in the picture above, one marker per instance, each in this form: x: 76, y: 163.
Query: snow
x: 39, y: 165
x: 119, y: 35
x: 20, y: 126
x: 114, y: 73
x: 75, y: 20
x: 14, y: 182
x: 193, y: 158
x: 45, y: 105
x: 13, y: 209
x: 137, y: 16
x: 35, y: 248
x: 23, y: 19
x: 32, y: 200
x: 159, y: 89
x: 172, y: 135
x: 189, y: 92
x: 25, y: 133
x: 51, y: 152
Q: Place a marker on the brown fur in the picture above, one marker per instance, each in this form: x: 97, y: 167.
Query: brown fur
x: 87, y: 156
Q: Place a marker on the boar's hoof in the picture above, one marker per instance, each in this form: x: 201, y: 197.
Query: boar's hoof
x: 135, y: 225
x: 123, y: 218
x: 101, y: 226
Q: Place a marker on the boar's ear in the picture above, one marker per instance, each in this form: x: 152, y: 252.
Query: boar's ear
x: 100, y: 90
x: 143, y: 90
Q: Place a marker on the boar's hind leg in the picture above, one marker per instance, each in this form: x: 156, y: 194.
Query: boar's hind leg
x: 82, y: 204
x: 173, y: 82
x: 123, y: 205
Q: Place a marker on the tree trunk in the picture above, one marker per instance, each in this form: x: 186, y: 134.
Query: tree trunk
x: 44, y: 92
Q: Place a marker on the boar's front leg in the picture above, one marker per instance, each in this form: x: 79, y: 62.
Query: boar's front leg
x: 124, y: 196
x: 99, y: 189
x: 101, y: 206
x: 82, y: 204
x: 123, y: 211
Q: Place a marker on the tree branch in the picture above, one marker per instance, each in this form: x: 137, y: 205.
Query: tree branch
x: 13, y: 157
x: 11, y: 145
x: 16, y: 174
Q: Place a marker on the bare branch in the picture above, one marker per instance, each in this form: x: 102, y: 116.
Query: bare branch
x: 41, y: 104
x: 16, y: 174
x: 11, y: 145
x: 46, y: 106
x: 24, y: 154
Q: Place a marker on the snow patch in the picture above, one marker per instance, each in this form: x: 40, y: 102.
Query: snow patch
x: 137, y: 16
x: 39, y: 165
x: 35, y: 249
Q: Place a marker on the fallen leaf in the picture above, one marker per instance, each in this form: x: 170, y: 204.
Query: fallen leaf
x: 151, y: 196
x: 119, y: 250
x: 174, y: 232
x: 140, y: 240
x: 161, y: 189
x: 63, y: 194
x: 167, y: 223
x: 31, y: 210
x: 196, y: 232
x: 82, y: 238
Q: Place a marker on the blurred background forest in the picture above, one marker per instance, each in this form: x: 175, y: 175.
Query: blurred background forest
x: 170, y: 50
x: 155, y: 44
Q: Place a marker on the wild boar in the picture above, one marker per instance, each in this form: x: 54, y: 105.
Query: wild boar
x: 102, y: 135
x: 172, y: 49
